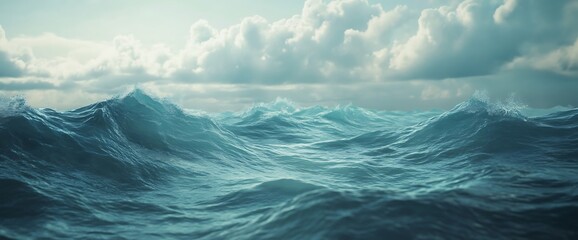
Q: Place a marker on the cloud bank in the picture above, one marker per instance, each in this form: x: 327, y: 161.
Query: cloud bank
x: 331, y: 51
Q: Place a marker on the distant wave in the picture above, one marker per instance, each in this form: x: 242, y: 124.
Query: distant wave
x: 139, y: 167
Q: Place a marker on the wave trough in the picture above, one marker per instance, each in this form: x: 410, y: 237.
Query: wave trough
x: 138, y: 167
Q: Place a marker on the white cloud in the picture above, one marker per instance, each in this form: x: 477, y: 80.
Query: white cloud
x: 201, y: 31
x: 8, y: 66
x: 335, y: 43
x: 51, y: 46
x: 454, y: 42
x: 504, y: 10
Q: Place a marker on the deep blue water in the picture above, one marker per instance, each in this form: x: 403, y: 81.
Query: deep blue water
x: 136, y: 167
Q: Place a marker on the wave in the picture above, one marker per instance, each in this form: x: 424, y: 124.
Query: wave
x: 20, y: 200
x: 278, y: 170
x: 375, y: 214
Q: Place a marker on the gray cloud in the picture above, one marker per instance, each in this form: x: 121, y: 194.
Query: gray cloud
x: 27, y: 85
x: 7, y: 67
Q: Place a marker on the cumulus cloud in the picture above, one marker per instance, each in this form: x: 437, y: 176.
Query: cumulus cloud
x: 562, y: 60
x: 8, y: 68
x: 478, y: 38
x: 127, y: 56
x: 329, y: 43
x: 340, y: 41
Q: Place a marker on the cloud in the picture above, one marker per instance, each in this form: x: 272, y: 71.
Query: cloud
x: 345, y: 44
x: 335, y: 42
x: 27, y: 85
x: 328, y: 42
x: 502, y: 12
x: 562, y: 61
x: 8, y: 68
x: 52, y: 46
x: 353, y: 41
x: 449, y: 43
x: 479, y: 38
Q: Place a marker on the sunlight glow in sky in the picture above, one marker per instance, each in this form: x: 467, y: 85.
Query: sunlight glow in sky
x: 223, y: 55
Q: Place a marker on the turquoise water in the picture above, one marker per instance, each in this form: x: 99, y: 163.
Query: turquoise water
x: 136, y: 167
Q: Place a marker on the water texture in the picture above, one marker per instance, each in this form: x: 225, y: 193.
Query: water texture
x: 137, y: 167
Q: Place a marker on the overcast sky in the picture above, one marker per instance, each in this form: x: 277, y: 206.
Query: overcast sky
x: 225, y: 55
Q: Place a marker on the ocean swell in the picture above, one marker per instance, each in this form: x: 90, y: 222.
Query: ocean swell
x: 139, y: 167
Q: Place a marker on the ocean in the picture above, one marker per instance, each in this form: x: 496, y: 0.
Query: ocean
x: 140, y: 167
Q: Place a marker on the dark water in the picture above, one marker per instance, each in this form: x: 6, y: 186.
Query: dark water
x: 135, y: 167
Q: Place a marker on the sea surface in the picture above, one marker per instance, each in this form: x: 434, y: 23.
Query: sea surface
x: 139, y: 167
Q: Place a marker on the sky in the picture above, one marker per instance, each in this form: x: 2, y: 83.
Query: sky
x: 227, y: 55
